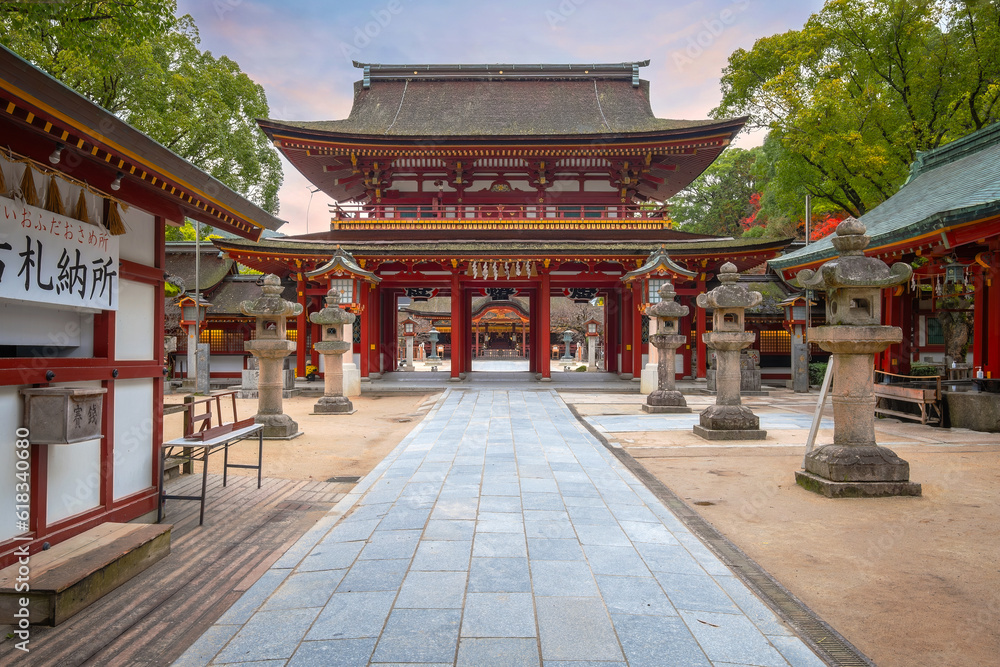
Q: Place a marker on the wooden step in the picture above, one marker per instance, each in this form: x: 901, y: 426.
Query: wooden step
x: 75, y: 573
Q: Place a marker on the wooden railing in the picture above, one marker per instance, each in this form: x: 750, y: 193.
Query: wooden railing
x: 624, y: 212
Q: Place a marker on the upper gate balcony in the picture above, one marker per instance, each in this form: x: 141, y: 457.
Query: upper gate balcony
x: 523, y: 221
x: 357, y: 216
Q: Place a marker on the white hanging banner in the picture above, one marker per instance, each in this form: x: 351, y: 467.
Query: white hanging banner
x: 49, y: 258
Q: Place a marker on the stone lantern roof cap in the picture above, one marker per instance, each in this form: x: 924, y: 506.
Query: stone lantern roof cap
x: 343, y: 263
x: 730, y: 294
x: 332, y: 313
x: 270, y: 303
x: 658, y: 263
x: 667, y: 308
x: 853, y: 268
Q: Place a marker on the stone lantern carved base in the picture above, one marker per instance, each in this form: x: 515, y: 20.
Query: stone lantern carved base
x: 865, y: 471
x: 333, y: 405
x: 278, y: 427
x: 663, y: 401
x: 729, y: 422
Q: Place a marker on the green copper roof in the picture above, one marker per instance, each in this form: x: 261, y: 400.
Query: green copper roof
x: 958, y: 182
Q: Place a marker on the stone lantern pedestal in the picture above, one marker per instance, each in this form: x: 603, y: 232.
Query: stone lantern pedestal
x: 854, y: 465
x: 665, y: 398
x: 270, y: 347
x: 333, y: 321
x: 728, y: 419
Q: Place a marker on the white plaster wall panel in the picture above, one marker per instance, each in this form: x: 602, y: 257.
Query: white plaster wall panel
x: 598, y: 186
x: 74, y: 481
x: 135, y: 330
x: 10, y: 419
x: 67, y: 332
x: 564, y: 186
x: 139, y: 242
x: 133, y: 453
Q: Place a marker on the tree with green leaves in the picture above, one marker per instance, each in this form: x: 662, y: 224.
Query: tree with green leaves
x: 852, y: 97
x: 719, y: 200
x: 140, y: 61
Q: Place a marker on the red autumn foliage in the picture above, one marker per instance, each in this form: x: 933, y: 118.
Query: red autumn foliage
x: 825, y: 226
x: 751, y: 220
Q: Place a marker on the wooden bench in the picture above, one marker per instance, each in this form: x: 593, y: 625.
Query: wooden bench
x: 927, y: 399
x: 75, y: 573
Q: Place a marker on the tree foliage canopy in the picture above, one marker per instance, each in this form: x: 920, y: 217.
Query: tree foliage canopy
x: 719, y: 200
x: 854, y: 95
x: 140, y: 61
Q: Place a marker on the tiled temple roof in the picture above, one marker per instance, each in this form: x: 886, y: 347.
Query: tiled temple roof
x: 956, y: 183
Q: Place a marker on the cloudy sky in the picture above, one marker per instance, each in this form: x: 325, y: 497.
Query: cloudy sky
x: 301, y: 50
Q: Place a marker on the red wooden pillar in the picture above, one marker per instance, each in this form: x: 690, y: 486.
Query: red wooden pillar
x: 545, y: 324
x: 612, y: 321
x: 375, y: 344
x: 991, y: 363
x: 300, y: 328
x: 365, y: 322
x: 457, y: 326
x: 699, y: 342
x: 628, y: 333
x: 388, y: 350
x: 637, y: 328
x: 979, y: 314
x: 467, y: 348
x: 531, y: 348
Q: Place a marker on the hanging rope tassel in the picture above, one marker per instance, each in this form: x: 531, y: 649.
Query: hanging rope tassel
x: 28, y: 192
x: 53, y: 200
x: 80, y: 212
x: 113, y: 222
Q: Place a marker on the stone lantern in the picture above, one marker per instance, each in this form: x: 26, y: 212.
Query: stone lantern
x: 409, y: 333
x: 592, y: 338
x: 796, y: 322
x: 270, y: 347
x: 666, y: 340
x: 854, y: 465
x: 333, y: 321
x: 728, y: 419
x: 194, y: 312
x: 433, y: 360
x: 567, y: 337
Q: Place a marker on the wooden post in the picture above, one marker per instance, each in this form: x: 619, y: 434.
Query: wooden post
x: 991, y: 362
x: 457, y: 326
x: 300, y: 328
x: 628, y: 333
x: 699, y: 343
x: 544, y: 324
x: 979, y: 315
x: 636, y: 313
x: 364, y: 321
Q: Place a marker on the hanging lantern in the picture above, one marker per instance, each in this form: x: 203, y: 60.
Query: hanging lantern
x: 954, y: 273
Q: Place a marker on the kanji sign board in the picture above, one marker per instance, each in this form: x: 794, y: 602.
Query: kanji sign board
x: 55, y: 259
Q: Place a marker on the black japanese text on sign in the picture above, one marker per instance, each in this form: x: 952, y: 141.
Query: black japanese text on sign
x: 54, y: 259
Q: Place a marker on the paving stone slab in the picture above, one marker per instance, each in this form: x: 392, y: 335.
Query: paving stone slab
x: 500, y: 532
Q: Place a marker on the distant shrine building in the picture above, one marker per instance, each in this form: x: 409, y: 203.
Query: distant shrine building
x: 500, y: 187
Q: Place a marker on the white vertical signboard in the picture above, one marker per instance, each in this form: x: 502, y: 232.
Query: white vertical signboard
x: 49, y: 258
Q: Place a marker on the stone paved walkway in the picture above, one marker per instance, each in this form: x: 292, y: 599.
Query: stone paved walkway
x: 500, y: 532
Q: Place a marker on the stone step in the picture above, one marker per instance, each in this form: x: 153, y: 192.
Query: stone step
x: 78, y: 572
